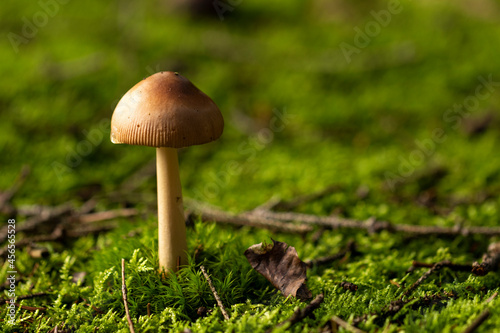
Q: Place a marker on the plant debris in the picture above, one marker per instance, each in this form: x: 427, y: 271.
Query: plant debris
x: 349, y: 286
x: 279, y: 263
x: 293, y: 222
x: 125, y: 301
x: 214, y: 292
x: 301, y: 314
x: 478, y: 321
x: 490, y: 263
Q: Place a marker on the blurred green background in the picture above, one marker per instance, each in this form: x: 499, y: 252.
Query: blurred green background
x: 352, y: 117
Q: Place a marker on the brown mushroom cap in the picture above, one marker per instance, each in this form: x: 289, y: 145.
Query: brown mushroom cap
x: 166, y: 110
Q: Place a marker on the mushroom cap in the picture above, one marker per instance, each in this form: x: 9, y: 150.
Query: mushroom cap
x: 166, y: 110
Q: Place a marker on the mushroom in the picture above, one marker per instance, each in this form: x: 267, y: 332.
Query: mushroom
x: 167, y: 111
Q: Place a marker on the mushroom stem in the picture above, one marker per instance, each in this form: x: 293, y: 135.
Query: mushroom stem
x: 172, y: 245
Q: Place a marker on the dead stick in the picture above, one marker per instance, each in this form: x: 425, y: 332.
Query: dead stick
x: 29, y: 308
x: 2, y: 300
x: 124, y: 293
x: 346, y: 325
x: 107, y: 215
x: 280, y: 221
x: 219, y: 216
x: 373, y: 225
x: 300, y: 314
x: 450, y: 265
x: 214, y: 292
x: 46, y: 215
x: 58, y: 235
x: 478, y: 321
x: 492, y: 297
x: 435, y: 267
x: 490, y: 263
x: 395, y: 306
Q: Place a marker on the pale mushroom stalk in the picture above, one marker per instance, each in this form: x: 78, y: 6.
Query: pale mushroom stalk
x: 171, y: 226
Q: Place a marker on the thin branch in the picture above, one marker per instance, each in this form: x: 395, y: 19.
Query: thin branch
x: 301, y: 314
x: 303, y: 223
x: 49, y: 214
x: 478, y: 321
x: 490, y: 262
x: 124, y: 294
x: 450, y: 265
x: 214, y: 292
x: 345, y: 325
x: 492, y: 297
x: 219, y: 216
x: 107, y: 215
x: 29, y: 308
x: 2, y: 300
x: 397, y: 305
x: 418, y: 264
x: 59, y: 234
x: 6, y: 196
x: 373, y: 225
x: 436, y: 267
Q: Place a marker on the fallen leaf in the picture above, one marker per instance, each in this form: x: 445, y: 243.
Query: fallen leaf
x: 279, y: 263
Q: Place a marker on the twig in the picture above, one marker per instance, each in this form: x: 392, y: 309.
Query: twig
x: 107, y: 215
x: 124, y: 294
x: 436, y: 267
x: 219, y: 216
x: 301, y: 314
x: 49, y: 214
x: 281, y: 221
x: 492, y: 297
x: 59, y: 234
x: 2, y: 300
x: 395, y: 306
x: 63, y: 215
x: 450, y: 265
x: 345, y: 325
x: 478, y: 321
x: 373, y: 225
x: 214, y: 292
x: 29, y: 308
x: 418, y: 264
x: 490, y: 263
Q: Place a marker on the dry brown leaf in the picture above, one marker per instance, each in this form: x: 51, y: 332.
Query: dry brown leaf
x: 280, y: 264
